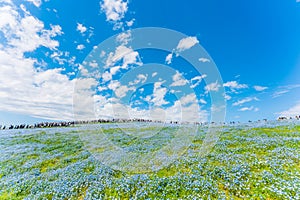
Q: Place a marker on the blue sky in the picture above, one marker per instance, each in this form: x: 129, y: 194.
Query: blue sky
x: 44, y: 43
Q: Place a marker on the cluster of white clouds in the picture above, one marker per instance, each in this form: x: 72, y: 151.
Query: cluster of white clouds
x: 124, y: 56
x: 178, y: 80
x: 25, y: 34
x: 234, y: 85
x: 24, y: 86
x: 28, y: 87
x: 124, y: 37
x: 86, y: 33
x: 184, y: 109
x: 115, y: 11
x: 236, y: 90
x: 246, y: 100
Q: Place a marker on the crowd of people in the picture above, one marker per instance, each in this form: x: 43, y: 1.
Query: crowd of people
x: 73, y: 123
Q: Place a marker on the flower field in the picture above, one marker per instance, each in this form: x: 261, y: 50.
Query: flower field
x: 248, y: 162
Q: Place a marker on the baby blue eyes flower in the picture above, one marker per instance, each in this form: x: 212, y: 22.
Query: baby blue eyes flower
x: 252, y: 163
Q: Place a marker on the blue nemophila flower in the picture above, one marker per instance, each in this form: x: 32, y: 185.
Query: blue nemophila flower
x: 251, y: 162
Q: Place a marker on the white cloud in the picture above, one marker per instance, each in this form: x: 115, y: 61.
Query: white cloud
x: 81, y: 28
x: 83, y: 71
x: 24, y: 9
x: 204, y: 60
x: 178, y: 80
x: 159, y: 94
x: 129, y: 57
x: 197, y: 80
x: 234, y: 85
x: 114, y: 70
x: 246, y: 109
x: 62, y: 58
x: 124, y: 37
x: 279, y: 93
x: 284, y: 89
x: 212, y: 87
x: 202, y: 101
x: 122, y: 91
x: 169, y: 58
x: 245, y: 100
x: 252, y: 108
x: 141, y: 90
x: 188, y: 99
x: 141, y: 78
x: 37, y: 3
x: 114, y: 9
x: 113, y: 85
x: 80, y: 47
x: 84, y: 84
x: 183, y: 44
x: 290, y: 87
x: 227, y: 97
x: 291, y: 112
x: 106, y: 76
x: 186, y: 43
x: 260, y: 88
x: 93, y: 64
x: 130, y: 23
x: 154, y: 74
x: 101, y: 88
